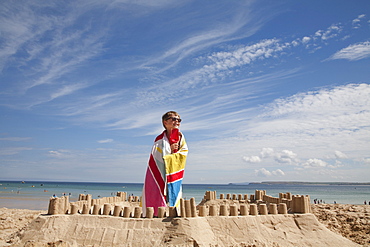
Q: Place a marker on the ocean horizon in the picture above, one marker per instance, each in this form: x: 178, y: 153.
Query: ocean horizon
x: 36, y: 194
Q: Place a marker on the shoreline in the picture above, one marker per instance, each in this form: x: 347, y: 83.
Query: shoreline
x: 26, y: 204
x: 15, y: 195
x: 234, y: 183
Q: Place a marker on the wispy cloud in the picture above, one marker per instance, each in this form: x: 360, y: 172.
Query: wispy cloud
x: 225, y: 64
x: 356, y: 23
x: 47, y: 48
x: 252, y: 159
x: 13, y: 150
x: 340, y: 155
x: 314, y: 163
x: 353, y: 52
x: 66, y: 90
x: 332, y: 32
x: 105, y: 141
x: 61, y: 47
x: 212, y: 35
x: 263, y: 172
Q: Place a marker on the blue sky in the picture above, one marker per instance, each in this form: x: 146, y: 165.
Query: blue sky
x: 267, y: 90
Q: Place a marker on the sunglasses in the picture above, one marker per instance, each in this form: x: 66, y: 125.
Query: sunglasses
x: 174, y: 119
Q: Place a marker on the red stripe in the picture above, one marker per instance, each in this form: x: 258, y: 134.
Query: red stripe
x: 175, y: 176
x: 159, y: 137
x: 156, y: 173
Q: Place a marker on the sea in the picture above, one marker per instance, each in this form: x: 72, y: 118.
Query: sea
x: 36, y: 194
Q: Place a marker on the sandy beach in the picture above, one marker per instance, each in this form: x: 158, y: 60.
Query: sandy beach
x: 350, y: 221
x: 12, y: 221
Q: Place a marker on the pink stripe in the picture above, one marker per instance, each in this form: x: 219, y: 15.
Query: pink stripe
x: 153, y: 196
x: 156, y: 173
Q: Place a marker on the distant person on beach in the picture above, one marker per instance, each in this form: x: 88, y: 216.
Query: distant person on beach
x: 163, y: 180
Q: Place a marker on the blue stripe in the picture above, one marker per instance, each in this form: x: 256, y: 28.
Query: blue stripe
x: 173, y: 190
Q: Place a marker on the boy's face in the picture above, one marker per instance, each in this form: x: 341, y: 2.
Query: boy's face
x: 172, y: 122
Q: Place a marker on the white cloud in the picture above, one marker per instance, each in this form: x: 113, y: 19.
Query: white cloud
x: 263, y: 172
x: 318, y: 33
x: 68, y: 89
x: 356, y: 23
x: 353, y: 52
x: 13, y: 150
x: 105, y: 141
x: 267, y: 152
x: 295, y: 43
x: 311, y: 126
x: 338, y: 101
x: 223, y: 61
x: 305, y: 40
x: 252, y: 159
x: 332, y: 32
x: 337, y: 164
x: 367, y: 160
x: 62, y: 153
x: 55, y: 154
x: 314, y: 163
x: 286, y: 156
x: 340, y: 155
x: 278, y: 172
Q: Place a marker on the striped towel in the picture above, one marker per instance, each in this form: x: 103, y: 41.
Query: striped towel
x: 163, y: 180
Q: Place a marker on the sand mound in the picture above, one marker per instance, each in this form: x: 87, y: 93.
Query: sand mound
x: 14, y: 220
x: 351, y: 221
x: 261, y: 230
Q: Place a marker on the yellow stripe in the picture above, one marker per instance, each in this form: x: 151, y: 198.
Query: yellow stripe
x: 177, y: 203
x: 174, y: 162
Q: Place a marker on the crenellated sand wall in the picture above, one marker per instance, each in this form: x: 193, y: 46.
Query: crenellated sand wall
x: 231, y: 205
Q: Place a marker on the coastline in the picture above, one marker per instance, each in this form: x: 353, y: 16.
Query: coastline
x: 305, y: 183
x: 13, y: 193
x: 24, y: 203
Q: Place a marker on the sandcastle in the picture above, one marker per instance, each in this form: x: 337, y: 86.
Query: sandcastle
x: 230, y: 220
x: 231, y: 205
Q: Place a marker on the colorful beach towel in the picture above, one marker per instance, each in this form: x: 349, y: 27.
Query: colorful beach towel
x: 163, y: 180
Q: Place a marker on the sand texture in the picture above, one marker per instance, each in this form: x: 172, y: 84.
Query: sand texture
x: 351, y: 221
x: 19, y: 229
x: 12, y: 221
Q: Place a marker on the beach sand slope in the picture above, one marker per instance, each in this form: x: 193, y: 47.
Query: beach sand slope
x: 12, y: 221
x: 261, y: 230
x: 351, y: 221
